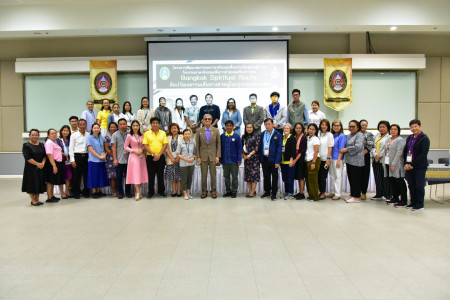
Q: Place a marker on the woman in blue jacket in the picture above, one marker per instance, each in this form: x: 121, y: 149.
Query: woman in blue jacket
x: 233, y: 114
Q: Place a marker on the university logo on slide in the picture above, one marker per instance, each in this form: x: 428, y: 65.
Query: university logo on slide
x: 164, y: 73
x: 338, y: 81
x: 103, y: 83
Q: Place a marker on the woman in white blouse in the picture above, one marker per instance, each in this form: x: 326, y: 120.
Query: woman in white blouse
x: 128, y: 114
x: 144, y: 115
x: 178, y: 114
x: 315, y: 115
x: 378, y: 152
x: 325, y: 149
x: 312, y: 162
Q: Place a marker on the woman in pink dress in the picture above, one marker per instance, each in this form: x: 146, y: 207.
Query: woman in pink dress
x: 137, y: 168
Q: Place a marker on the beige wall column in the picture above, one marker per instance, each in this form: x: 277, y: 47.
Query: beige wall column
x: 11, y: 108
x: 358, y: 43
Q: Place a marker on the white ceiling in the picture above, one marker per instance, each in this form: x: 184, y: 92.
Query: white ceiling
x: 57, y: 18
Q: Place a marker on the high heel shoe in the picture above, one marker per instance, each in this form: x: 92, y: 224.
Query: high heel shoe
x: 138, y: 197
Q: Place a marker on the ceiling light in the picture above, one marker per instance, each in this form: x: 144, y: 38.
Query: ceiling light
x: 274, y: 28
x: 393, y: 28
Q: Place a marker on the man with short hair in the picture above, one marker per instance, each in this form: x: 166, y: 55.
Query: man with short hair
x: 254, y: 114
x: 191, y: 114
x: 90, y: 115
x: 270, y: 150
x: 73, y: 121
x: 297, y: 110
x: 210, y: 109
x: 155, y: 143
x: 207, y: 142
x: 277, y: 113
x: 121, y: 157
x: 78, y: 153
x: 163, y: 114
x: 231, y: 158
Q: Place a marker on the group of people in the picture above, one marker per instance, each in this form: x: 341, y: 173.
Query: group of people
x: 168, y: 144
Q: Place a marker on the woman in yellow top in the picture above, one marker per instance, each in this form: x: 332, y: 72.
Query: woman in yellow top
x: 102, y: 117
x: 287, y: 161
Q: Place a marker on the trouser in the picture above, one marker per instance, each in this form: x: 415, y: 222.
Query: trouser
x: 336, y: 173
x: 211, y: 164
x: 270, y: 174
x: 312, y: 179
x: 155, y: 168
x: 416, y: 185
x: 354, y: 174
x: 323, y: 174
x: 81, y: 160
x: 186, y: 177
x: 288, y: 176
x: 398, y: 187
x: 381, y: 182
x: 366, y: 174
x: 231, y: 185
x: 121, y: 175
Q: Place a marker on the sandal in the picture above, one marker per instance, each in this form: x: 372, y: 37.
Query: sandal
x: 336, y: 198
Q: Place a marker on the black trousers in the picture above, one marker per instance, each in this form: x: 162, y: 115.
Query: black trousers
x: 416, y: 185
x: 366, y: 174
x: 155, y: 168
x: 381, y: 182
x: 398, y: 187
x: 354, y: 174
x: 323, y: 174
x: 121, y: 175
x: 81, y: 159
x: 270, y: 174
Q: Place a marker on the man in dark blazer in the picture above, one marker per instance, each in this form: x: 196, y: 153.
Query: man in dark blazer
x: 270, y: 158
x: 207, y: 142
x: 253, y: 114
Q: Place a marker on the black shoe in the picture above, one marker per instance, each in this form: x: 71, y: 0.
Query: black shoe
x: 178, y: 195
x: 296, y: 195
x: 417, y: 208
x: 120, y: 196
x: 56, y: 198
x: 299, y: 196
x: 400, y: 204
x: 87, y: 195
x: 392, y: 202
x: 273, y: 197
x: 37, y: 204
x: 76, y: 196
x: 266, y: 194
x: 409, y: 206
x: 227, y: 194
x: 129, y: 195
x: 101, y: 194
x: 163, y: 195
x: 174, y: 195
x: 218, y: 165
x: 51, y: 200
x: 150, y: 196
x: 95, y: 196
x: 233, y: 195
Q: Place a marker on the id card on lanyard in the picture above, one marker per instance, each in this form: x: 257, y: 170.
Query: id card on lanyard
x: 267, y: 138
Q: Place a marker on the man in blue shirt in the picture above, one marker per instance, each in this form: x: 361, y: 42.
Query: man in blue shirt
x: 90, y: 115
x: 270, y: 158
x: 210, y: 109
x: 231, y: 158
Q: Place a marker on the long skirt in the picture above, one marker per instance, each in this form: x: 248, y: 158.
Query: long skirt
x: 96, y: 177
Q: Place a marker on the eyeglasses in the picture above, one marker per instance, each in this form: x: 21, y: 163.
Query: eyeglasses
x: 207, y: 119
x: 351, y: 126
x: 337, y: 125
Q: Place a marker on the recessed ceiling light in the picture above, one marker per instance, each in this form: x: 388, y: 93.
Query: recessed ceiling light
x: 393, y: 28
x: 274, y: 28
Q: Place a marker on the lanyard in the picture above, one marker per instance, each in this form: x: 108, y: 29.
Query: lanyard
x: 187, y: 146
x: 285, y: 138
x: 174, y: 144
x: 267, y: 140
x: 138, y: 140
x: 121, y: 135
x: 92, y: 113
x: 146, y: 114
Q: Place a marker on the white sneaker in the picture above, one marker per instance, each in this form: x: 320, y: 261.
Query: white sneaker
x: 352, y: 200
x: 416, y: 209
x: 186, y: 198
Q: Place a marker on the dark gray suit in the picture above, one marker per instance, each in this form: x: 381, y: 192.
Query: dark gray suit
x: 256, y: 118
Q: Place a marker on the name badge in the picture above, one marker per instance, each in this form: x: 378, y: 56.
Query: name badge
x: 282, y: 149
x: 266, y: 151
x: 144, y: 126
x: 409, y: 158
x: 166, y: 128
x: 386, y: 160
x: 374, y: 150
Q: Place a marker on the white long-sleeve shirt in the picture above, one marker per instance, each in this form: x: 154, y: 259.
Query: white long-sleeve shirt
x: 77, y: 144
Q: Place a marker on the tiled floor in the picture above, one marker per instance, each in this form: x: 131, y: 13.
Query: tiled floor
x: 220, y: 249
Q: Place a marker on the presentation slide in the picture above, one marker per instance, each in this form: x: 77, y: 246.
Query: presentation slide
x: 224, y: 69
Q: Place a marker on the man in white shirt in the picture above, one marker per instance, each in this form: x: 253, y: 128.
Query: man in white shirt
x: 90, y: 115
x: 79, y: 158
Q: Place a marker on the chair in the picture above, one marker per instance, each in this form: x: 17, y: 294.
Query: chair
x: 443, y: 160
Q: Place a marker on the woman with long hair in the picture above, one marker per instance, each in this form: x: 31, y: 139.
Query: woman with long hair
x: 64, y: 143
x: 137, y: 168
x: 287, y: 161
x: 144, y: 115
x: 232, y: 113
x: 325, y: 149
x: 312, y: 162
x: 128, y: 113
x: 250, y: 154
x: 178, y: 114
x: 102, y: 116
x: 299, y: 160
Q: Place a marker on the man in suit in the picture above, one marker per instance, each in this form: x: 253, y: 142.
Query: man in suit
x: 207, y: 142
x: 254, y: 114
x: 270, y: 157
